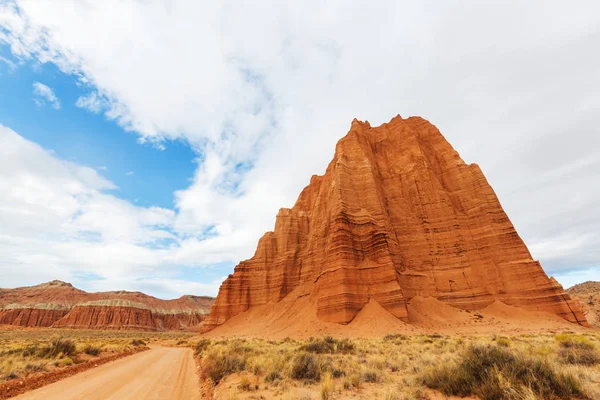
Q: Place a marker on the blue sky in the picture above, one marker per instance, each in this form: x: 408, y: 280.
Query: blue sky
x: 153, y: 154
x: 77, y: 135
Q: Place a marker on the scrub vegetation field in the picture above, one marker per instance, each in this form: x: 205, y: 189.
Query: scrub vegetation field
x: 526, y: 367
x: 493, y: 367
x: 25, y: 352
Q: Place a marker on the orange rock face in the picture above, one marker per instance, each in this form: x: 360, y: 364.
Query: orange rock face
x: 58, y: 304
x: 397, y: 214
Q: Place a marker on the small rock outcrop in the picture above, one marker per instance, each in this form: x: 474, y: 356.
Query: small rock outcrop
x: 588, y: 294
x: 59, y: 304
x: 397, y: 214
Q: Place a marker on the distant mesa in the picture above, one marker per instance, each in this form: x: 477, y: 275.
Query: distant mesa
x: 58, y: 304
x: 398, y: 223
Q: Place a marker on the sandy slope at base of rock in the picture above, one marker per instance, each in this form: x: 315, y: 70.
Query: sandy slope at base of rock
x: 296, y: 317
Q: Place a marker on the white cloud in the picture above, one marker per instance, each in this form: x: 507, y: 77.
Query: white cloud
x: 45, y: 94
x: 92, y: 102
x: 59, y: 222
x: 273, y: 85
x: 12, y: 67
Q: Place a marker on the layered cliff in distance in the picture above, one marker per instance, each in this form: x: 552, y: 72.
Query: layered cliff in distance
x: 398, y: 215
x: 59, y: 304
x: 588, y: 294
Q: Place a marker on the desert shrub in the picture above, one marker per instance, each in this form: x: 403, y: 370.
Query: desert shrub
x: 202, y: 345
x: 35, y: 367
x: 273, y: 376
x: 58, y: 347
x: 329, y: 345
x: 11, y: 375
x: 496, y: 373
x: 138, y: 342
x: 91, y: 350
x: 217, y: 365
x: 181, y: 342
x: 503, y: 342
x: 30, y: 351
x: 395, y: 336
x: 369, y: 375
x: 306, y: 366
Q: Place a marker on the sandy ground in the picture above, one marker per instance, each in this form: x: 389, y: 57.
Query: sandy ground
x: 159, y: 373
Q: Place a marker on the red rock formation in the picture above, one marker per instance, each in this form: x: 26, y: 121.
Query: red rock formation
x: 58, y: 304
x: 30, y: 317
x: 398, y: 214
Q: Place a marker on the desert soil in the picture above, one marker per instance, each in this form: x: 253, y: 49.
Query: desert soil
x: 159, y: 373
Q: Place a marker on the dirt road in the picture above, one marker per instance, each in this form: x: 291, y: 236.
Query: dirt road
x: 159, y: 373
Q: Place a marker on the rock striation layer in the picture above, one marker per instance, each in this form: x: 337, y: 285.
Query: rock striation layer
x: 59, y: 304
x: 397, y: 214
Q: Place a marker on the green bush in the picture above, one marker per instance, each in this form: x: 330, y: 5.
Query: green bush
x: 496, y: 373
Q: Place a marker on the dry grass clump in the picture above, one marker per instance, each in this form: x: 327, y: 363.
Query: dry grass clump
x: 327, y: 386
x: 496, y: 373
x: 58, y: 347
x: 577, y: 349
x: 503, y: 341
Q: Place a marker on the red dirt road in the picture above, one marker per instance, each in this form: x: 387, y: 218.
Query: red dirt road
x: 159, y: 373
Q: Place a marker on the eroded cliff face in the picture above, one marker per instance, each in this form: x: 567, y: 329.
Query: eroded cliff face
x: 59, y: 304
x: 397, y: 214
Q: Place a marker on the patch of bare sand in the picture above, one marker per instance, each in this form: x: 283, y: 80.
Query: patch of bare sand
x: 496, y: 318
